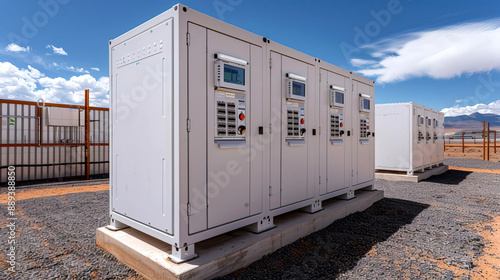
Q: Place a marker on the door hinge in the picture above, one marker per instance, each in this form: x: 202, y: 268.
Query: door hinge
x: 270, y: 191
x: 188, y: 39
x: 320, y: 77
x: 319, y: 130
x: 189, y: 209
x: 188, y: 125
x: 270, y: 129
x: 270, y: 63
x: 352, y: 173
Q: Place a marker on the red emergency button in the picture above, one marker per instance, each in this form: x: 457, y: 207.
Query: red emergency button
x: 302, y: 121
x: 341, y: 124
x: 242, y: 116
x: 367, y: 127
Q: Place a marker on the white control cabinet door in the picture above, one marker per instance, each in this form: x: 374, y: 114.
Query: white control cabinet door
x: 142, y: 160
x: 362, y: 132
x: 225, y: 112
x: 335, y: 107
x: 440, y: 142
x: 290, y: 117
x: 418, y: 136
x: 428, y: 137
x: 228, y: 142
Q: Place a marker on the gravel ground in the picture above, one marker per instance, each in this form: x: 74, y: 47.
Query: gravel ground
x: 472, y: 163
x: 420, y: 230
x: 57, y: 240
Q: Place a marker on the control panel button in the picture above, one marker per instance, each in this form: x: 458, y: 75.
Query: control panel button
x: 302, y: 121
x: 242, y: 116
x: 241, y: 129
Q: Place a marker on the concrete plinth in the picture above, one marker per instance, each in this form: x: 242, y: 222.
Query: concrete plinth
x: 226, y: 253
x: 416, y: 177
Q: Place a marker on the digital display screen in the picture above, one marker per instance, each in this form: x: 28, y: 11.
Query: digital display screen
x: 299, y: 89
x: 366, y: 104
x: 339, y: 97
x: 234, y: 75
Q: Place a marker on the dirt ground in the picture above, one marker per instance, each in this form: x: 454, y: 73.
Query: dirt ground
x: 27, y: 194
x: 487, y: 265
x: 472, y: 152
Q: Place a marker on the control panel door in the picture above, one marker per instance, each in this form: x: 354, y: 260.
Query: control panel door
x: 440, y: 141
x: 418, y: 136
x: 292, y: 84
x: 428, y: 137
x: 338, y: 103
x: 363, y: 128
x: 228, y: 101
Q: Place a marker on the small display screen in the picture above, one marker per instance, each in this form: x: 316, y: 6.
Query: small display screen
x: 366, y: 104
x: 339, y: 97
x: 234, y: 75
x: 299, y: 89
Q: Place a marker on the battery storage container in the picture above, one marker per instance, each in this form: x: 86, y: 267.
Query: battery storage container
x: 214, y: 128
x: 410, y: 137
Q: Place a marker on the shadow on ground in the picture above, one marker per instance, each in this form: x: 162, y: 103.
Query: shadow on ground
x: 450, y: 177
x: 336, y: 249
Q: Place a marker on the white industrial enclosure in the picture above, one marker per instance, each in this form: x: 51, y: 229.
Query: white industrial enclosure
x: 410, y: 137
x: 214, y: 128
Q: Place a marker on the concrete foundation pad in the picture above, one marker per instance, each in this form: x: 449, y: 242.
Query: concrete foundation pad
x: 226, y: 253
x: 416, y: 177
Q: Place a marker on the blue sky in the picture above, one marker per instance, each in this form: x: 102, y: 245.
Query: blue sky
x: 441, y: 54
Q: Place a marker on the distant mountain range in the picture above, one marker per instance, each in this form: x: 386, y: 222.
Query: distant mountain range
x: 472, y: 121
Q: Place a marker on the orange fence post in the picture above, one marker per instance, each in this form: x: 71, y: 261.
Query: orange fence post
x: 463, y: 144
x: 87, y: 134
x: 484, y: 140
x: 488, y: 152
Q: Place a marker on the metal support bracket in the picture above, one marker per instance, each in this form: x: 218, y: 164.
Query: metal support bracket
x: 183, y: 254
x: 313, y: 208
x: 265, y: 224
x: 348, y: 195
x: 114, y: 225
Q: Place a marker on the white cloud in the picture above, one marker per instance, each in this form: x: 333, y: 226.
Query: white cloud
x: 461, y: 100
x: 441, y: 53
x: 357, y: 62
x: 57, y: 50
x: 16, y: 48
x: 29, y: 84
x: 73, y: 90
x: 95, y: 69
x: 70, y: 68
x: 492, y: 108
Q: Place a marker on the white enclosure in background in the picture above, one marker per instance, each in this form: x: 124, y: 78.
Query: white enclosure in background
x: 410, y: 137
x: 214, y: 128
